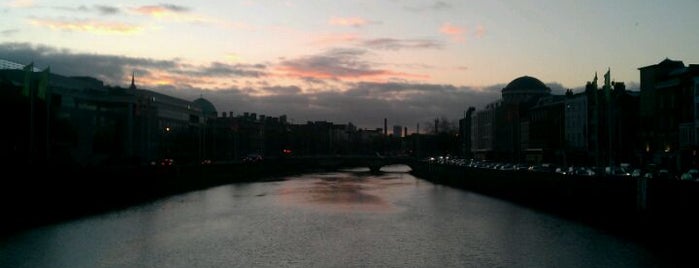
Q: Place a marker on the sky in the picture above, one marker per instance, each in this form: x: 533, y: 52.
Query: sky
x: 353, y: 61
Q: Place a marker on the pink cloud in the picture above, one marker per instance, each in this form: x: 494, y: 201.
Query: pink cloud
x: 92, y: 26
x: 455, y: 32
x: 334, y: 39
x: 348, y: 21
x: 340, y: 65
x: 160, y: 10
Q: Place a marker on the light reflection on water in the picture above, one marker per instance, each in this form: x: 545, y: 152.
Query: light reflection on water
x: 340, y: 219
x: 344, y: 191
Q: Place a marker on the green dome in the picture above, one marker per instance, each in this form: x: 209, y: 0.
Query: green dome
x: 206, y: 106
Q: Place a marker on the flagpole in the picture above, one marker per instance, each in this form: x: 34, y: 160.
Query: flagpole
x: 607, y: 92
x: 28, y: 70
x: 47, y: 91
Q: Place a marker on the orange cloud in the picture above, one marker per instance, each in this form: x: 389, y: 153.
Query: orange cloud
x: 156, y: 78
x: 455, y: 32
x: 349, y: 21
x: 20, y: 3
x: 334, y: 39
x: 100, y: 27
x: 159, y: 11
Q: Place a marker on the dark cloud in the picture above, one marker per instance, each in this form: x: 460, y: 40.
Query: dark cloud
x: 282, y: 90
x: 312, y: 80
x: 218, y: 69
x: 333, y: 64
x: 107, y: 10
x: 109, y: 68
x: 112, y: 69
x: 397, y: 44
x: 363, y: 103
x: 438, y: 5
x: 175, y: 8
x: 557, y: 88
x: 9, y: 32
x: 155, y: 9
x: 101, y: 9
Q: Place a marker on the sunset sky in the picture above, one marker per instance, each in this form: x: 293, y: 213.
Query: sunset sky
x: 348, y: 61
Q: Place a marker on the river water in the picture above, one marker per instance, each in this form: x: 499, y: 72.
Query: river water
x: 342, y: 219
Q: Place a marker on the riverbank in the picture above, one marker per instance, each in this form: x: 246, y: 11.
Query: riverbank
x: 658, y: 213
x: 39, y: 196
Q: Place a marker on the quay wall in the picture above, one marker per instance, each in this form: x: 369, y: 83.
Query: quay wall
x: 648, y: 209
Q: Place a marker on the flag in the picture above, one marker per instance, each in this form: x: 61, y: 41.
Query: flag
x: 44, y: 84
x: 27, y: 79
x: 594, y: 82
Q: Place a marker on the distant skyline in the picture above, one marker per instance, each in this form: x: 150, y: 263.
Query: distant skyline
x: 348, y: 61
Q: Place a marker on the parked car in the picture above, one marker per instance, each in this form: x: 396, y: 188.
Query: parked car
x: 252, y: 158
x: 690, y: 175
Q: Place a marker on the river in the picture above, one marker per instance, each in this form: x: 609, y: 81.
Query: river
x: 349, y: 218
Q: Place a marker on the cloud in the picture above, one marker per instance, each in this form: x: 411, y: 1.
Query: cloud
x: 338, y: 64
x: 397, y: 44
x: 20, y: 3
x: 218, y: 69
x: 101, y: 9
x: 107, y: 10
x: 455, y: 32
x: 334, y: 39
x: 363, y: 102
x: 92, y: 26
x: 9, y: 32
x: 438, y: 5
x: 115, y: 69
x: 556, y: 88
x: 177, y: 13
x: 162, y: 10
x: 348, y: 21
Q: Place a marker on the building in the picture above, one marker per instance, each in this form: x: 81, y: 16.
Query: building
x: 465, y: 133
x: 500, y: 131
x: 81, y: 121
x: 397, y: 131
x: 668, y: 111
x: 576, y: 126
x: 545, y: 137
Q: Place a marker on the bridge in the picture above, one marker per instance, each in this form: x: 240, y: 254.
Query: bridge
x: 373, y: 162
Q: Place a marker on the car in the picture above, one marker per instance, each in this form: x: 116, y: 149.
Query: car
x: 636, y: 173
x: 690, y: 175
x: 167, y: 162
x: 252, y: 158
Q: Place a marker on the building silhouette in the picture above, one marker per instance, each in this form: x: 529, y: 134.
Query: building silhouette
x: 82, y: 121
x: 501, y: 131
x: 669, y: 111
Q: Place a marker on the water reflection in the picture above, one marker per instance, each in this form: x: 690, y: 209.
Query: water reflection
x: 337, y: 219
x: 355, y: 191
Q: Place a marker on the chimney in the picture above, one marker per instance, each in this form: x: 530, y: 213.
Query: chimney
x: 385, y: 127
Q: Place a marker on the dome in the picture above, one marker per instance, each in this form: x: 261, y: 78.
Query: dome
x: 206, y: 106
x: 524, y: 89
x: 526, y: 83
